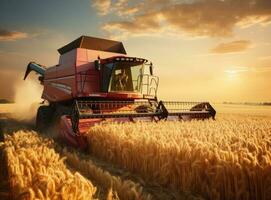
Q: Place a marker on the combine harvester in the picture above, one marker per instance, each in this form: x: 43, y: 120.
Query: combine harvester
x: 95, y: 81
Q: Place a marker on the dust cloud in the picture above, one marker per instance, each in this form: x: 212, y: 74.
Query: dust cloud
x: 27, y: 99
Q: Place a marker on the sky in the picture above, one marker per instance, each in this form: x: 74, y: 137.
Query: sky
x: 202, y: 50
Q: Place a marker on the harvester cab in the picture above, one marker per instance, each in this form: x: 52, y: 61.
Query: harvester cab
x: 127, y: 74
x: 95, y: 81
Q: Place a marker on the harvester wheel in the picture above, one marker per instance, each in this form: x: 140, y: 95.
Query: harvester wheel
x: 43, y: 118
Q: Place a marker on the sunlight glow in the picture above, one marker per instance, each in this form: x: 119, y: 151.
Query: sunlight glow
x: 233, y: 74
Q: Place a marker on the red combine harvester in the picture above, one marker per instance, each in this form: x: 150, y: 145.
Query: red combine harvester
x: 95, y: 81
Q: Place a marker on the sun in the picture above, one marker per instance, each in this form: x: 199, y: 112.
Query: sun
x: 231, y: 74
x: 235, y: 73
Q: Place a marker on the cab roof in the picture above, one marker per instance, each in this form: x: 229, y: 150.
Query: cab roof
x: 93, y: 43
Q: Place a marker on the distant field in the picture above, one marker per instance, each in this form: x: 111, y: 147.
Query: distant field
x: 243, y: 109
x: 23, y: 111
x: 7, y: 108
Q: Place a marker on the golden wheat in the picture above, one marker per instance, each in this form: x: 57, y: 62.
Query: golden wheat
x: 229, y: 158
x: 121, y: 189
x: 36, y: 171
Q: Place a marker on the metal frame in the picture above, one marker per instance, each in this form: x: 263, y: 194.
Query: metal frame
x: 82, y: 80
x: 150, y: 79
x: 84, y: 109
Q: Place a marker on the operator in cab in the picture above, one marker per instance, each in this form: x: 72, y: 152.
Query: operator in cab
x: 121, y: 80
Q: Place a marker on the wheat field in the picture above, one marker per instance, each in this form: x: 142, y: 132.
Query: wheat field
x: 36, y: 171
x: 229, y: 158
x: 225, y: 159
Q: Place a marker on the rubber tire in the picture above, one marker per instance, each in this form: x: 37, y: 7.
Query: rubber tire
x: 43, y: 119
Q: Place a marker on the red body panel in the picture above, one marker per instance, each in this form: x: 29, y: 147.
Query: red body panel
x: 75, y: 76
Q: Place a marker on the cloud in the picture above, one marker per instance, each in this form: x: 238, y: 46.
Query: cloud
x: 231, y: 47
x: 212, y: 18
x: 237, y: 70
x: 264, y: 61
x: 265, y: 58
x: 102, y: 6
x: 6, y: 35
x: 119, y: 7
x: 146, y: 22
x: 128, y: 11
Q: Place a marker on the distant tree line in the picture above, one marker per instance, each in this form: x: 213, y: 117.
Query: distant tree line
x: 249, y: 103
x: 4, y: 101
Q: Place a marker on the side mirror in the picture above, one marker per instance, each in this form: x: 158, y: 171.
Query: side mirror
x: 97, y: 64
x: 151, y: 69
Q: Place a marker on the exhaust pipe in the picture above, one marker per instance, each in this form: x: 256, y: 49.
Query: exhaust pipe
x: 32, y: 66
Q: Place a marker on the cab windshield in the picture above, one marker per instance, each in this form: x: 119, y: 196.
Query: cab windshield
x: 126, y: 76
